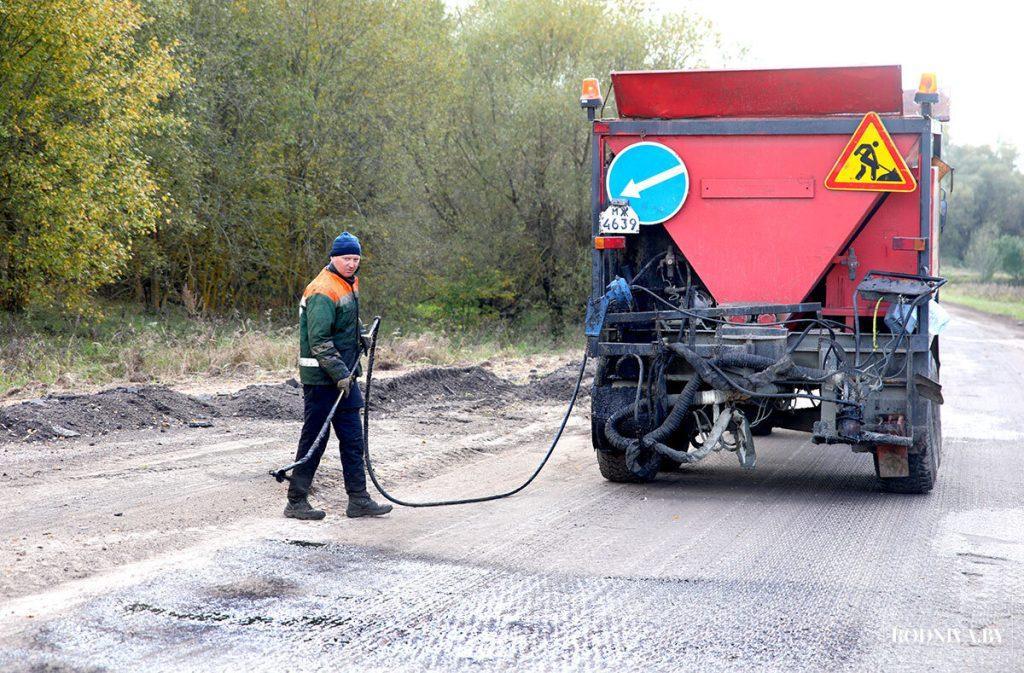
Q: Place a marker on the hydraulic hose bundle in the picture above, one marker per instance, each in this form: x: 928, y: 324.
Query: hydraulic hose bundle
x: 853, y: 380
x: 642, y: 452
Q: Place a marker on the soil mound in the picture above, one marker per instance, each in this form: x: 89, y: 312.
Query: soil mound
x: 125, y: 407
x: 558, y: 384
x: 138, y: 407
x: 437, y: 384
x: 279, y: 402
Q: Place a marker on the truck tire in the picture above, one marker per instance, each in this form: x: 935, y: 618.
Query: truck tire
x: 612, y: 462
x: 924, y: 466
x: 597, y: 436
x: 613, y: 468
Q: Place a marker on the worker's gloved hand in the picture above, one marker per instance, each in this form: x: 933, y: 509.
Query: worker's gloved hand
x: 345, y: 385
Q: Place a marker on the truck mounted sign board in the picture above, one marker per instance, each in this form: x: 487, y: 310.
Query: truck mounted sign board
x: 870, y: 162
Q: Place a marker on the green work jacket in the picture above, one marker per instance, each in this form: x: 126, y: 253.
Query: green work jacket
x: 329, y: 332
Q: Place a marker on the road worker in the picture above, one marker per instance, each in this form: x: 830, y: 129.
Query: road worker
x: 329, y: 347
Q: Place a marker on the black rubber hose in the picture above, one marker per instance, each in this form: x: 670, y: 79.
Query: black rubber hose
x: 761, y: 362
x: 746, y: 360
x: 643, y: 464
x: 786, y: 396
x: 671, y: 423
x: 657, y: 437
x: 676, y: 417
x: 611, y: 427
x: 652, y: 442
x: 686, y: 399
x: 704, y: 370
x: 279, y: 474
x: 700, y: 365
x: 460, y: 501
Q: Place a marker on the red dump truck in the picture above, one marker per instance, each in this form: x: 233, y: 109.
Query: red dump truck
x: 766, y: 256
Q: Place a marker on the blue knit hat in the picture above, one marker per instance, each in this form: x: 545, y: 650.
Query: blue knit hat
x: 346, y: 244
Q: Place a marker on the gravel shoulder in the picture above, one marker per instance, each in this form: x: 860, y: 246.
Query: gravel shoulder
x: 165, y: 551
x: 93, y: 482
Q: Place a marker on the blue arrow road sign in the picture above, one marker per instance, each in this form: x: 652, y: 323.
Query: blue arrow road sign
x: 652, y: 178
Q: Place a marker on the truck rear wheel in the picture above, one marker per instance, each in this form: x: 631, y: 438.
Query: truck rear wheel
x: 924, y: 465
x: 613, y: 468
x: 612, y: 463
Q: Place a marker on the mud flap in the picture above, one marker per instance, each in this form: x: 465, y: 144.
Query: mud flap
x: 893, y: 461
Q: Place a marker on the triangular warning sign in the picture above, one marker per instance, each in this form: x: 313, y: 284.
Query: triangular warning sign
x: 870, y: 162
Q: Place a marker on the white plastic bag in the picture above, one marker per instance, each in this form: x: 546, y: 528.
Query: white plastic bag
x: 938, y: 317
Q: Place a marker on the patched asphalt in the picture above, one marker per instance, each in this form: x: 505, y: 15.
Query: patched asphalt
x: 799, y: 565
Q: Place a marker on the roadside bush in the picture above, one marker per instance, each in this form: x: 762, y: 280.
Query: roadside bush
x: 1010, y: 256
x: 982, y: 254
x: 467, y: 301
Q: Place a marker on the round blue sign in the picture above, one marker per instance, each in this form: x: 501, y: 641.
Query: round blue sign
x: 652, y: 178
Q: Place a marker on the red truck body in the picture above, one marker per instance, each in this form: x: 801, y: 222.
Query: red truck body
x: 758, y: 224
x: 765, y: 256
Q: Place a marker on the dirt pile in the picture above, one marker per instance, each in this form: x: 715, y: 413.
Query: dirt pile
x: 124, y: 407
x: 128, y: 407
x: 279, y: 402
x: 558, y: 384
x: 438, y: 384
x: 429, y: 385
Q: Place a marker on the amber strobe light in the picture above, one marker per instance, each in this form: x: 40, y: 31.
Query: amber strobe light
x: 591, y: 89
x: 928, y: 83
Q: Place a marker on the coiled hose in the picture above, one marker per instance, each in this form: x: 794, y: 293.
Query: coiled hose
x: 642, y: 454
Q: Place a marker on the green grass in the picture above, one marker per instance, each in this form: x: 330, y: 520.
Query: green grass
x: 127, y: 344
x: 1014, y: 309
x: 999, y: 296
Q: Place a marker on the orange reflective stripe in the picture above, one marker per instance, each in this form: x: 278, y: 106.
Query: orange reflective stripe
x: 331, y: 285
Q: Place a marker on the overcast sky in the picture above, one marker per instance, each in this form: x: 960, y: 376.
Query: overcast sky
x: 976, y: 49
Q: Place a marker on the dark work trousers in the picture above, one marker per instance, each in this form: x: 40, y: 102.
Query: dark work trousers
x: 318, y: 401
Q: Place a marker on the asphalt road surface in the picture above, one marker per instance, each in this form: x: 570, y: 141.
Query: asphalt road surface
x: 174, y: 556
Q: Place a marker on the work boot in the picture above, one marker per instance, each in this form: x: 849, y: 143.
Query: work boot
x: 361, y: 504
x: 301, y: 509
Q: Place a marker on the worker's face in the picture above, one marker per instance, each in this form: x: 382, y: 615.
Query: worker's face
x: 346, y: 264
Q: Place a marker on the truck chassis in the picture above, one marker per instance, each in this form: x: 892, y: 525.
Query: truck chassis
x: 680, y: 376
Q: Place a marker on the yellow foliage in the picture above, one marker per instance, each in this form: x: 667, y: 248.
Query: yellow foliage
x: 77, y: 95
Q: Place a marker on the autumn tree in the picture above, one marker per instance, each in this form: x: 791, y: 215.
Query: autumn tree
x: 78, y: 95
x: 985, y: 208
x: 447, y: 135
x: 511, y: 185
x: 299, y: 115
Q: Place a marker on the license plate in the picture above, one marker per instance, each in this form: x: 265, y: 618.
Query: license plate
x: 619, y: 219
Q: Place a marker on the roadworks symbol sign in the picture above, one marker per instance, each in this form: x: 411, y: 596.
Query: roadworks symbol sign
x: 870, y: 162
